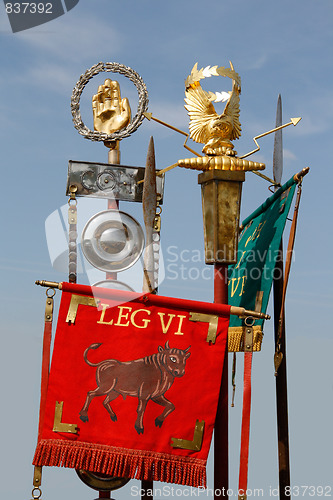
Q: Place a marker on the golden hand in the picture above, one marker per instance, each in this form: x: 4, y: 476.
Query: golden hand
x: 111, y: 113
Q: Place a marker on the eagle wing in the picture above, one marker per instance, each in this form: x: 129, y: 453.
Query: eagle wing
x: 231, y: 110
x: 201, y: 111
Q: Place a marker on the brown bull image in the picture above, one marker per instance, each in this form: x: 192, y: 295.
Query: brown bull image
x: 146, y: 378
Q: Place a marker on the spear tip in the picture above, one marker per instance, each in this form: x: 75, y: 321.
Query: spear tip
x: 294, y: 121
x: 150, y: 161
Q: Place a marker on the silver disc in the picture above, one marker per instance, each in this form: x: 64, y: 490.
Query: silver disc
x: 112, y: 241
x: 114, y: 285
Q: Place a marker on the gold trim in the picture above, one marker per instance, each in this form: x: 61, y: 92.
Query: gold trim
x: 278, y: 357
x: 248, y: 339
x: 207, y: 318
x: 196, y: 443
x: 236, y: 336
x: 243, y: 313
x: 77, y: 300
x: 58, y: 425
x: 37, y: 481
x: 220, y: 162
x: 49, y: 284
x: 298, y: 177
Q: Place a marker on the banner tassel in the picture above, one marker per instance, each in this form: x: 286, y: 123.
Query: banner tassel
x: 121, y: 462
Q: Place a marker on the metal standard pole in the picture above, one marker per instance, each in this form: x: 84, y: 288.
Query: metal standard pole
x: 113, y: 158
x: 221, y: 445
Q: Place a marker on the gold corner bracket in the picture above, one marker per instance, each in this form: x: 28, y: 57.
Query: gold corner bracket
x: 77, y: 300
x: 196, y: 443
x: 207, y: 318
x: 58, y: 425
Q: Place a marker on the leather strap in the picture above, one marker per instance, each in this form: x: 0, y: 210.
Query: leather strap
x: 45, y: 361
x: 289, y: 256
x: 245, y: 435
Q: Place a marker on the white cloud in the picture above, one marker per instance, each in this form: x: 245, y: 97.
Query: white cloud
x: 55, y: 76
x: 61, y: 49
x: 257, y: 63
x: 289, y: 155
x: 66, y: 39
x: 171, y: 113
x: 313, y: 124
x: 318, y: 115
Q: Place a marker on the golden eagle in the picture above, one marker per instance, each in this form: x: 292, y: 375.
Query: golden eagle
x: 206, y: 126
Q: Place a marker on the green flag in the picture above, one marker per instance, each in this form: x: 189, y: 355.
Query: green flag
x: 258, y: 251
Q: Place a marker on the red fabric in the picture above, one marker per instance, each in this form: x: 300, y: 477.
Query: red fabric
x: 245, y: 436
x: 115, y: 442
x: 45, y: 372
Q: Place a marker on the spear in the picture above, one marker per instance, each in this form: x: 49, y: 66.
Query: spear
x: 149, y: 203
x: 281, y: 379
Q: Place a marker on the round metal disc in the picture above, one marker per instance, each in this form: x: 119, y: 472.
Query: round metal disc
x: 106, y: 180
x: 114, y: 285
x: 112, y: 241
x: 88, y: 179
x: 101, y: 482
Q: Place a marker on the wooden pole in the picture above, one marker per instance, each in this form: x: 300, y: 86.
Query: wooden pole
x: 145, y: 486
x: 281, y: 379
x: 281, y: 384
x: 221, y: 449
x: 104, y: 494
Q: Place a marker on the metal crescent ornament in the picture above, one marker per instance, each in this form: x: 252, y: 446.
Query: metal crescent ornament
x: 136, y: 120
x: 101, y: 482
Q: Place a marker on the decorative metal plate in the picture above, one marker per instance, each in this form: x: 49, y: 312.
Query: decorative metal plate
x: 78, y: 89
x: 105, y: 180
x: 112, y: 241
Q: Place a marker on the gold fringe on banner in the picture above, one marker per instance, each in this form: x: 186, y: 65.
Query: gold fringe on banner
x: 236, y: 338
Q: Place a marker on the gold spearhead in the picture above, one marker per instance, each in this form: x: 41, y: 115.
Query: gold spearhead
x: 294, y: 121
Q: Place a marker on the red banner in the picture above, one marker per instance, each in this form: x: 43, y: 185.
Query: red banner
x: 133, y: 387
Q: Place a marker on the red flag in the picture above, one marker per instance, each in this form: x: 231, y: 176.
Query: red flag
x: 133, y: 387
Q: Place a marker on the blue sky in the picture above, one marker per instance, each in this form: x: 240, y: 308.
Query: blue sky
x: 282, y: 47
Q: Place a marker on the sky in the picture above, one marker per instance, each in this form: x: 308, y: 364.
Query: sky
x: 277, y: 48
